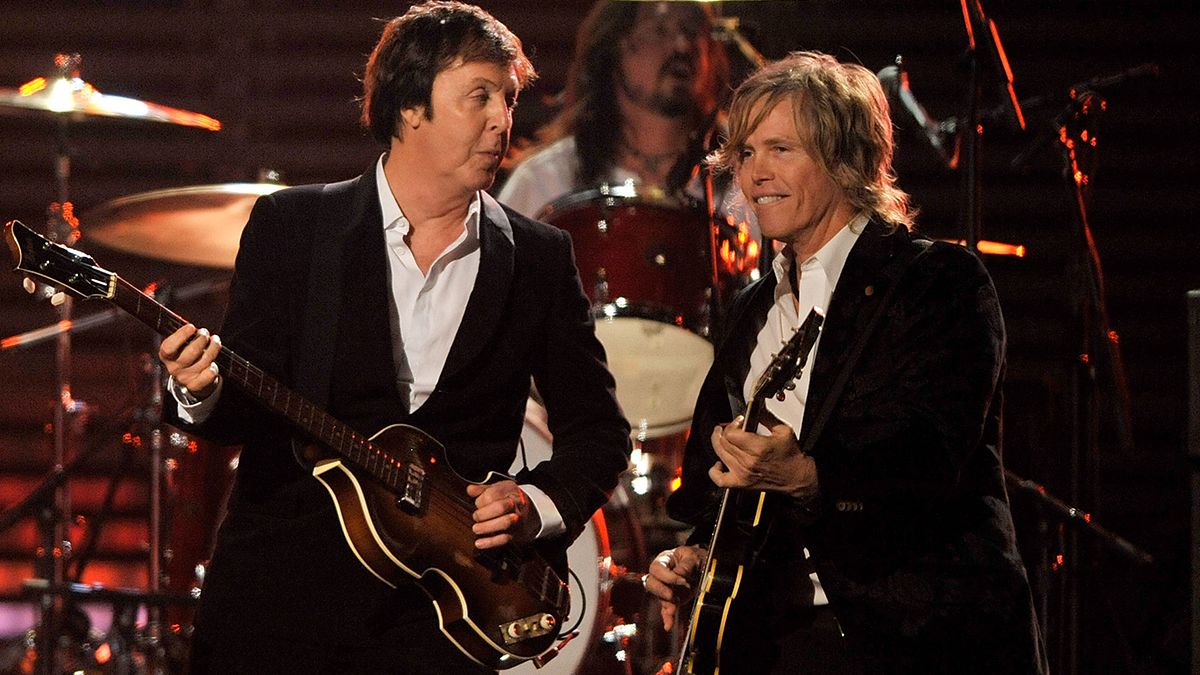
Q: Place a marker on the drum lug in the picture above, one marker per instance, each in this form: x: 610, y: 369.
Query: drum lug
x: 600, y: 289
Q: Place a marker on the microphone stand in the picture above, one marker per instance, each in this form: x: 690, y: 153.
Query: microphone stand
x: 1098, y: 349
x: 981, y: 36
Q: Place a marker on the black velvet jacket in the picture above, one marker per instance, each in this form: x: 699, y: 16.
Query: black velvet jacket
x: 912, y: 536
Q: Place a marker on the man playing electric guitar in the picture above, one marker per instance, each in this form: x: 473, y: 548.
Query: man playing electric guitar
x: 407, y: 295
x: 892, y: 550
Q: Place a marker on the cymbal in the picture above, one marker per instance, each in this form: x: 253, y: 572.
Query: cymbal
x: 197, y: 225
x: 67, y: 95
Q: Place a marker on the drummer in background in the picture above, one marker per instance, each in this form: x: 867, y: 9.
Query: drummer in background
x: 641, y: 105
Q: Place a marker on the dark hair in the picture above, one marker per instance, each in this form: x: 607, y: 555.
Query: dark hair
x: 423, y: 42
x: 590, y: 101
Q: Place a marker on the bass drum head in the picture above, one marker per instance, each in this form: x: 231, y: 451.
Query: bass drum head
x: 659, y: 369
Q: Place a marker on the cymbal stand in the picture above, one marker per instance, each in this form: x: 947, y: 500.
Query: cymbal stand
x: 62, y: 227
x: 153, y: 419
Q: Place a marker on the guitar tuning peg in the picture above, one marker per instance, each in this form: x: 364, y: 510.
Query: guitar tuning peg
x: 58, y: 298
x: 780, y: 396
x: 29, y: 285
x: 790, y: 386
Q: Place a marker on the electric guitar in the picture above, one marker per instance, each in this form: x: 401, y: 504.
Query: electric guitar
x: 743, y: 519
x: 404, y: 512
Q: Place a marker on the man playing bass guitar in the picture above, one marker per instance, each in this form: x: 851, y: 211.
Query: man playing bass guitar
x: 891, y: 547
x: 407, y: 295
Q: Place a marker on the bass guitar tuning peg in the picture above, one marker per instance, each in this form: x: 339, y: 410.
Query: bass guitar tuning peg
x: 29, y: 285
x: 58, y: 298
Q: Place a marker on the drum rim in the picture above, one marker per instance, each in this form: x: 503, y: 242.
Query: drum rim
x: 624, y: 193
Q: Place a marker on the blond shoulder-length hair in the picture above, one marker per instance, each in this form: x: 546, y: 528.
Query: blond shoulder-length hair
x: 843, y: 121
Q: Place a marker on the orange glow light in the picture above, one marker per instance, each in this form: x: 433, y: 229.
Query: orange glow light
x: 32, y: 87
x: 676, y: 482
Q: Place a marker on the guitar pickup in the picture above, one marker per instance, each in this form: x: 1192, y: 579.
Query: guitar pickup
x: 535, y: 625
x: 412, y: 493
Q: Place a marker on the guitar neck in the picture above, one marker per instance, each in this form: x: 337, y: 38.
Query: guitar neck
x: 267, y: 390
x: 750, y: 417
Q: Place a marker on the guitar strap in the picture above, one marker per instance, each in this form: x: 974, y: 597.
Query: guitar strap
x: 893, y: 274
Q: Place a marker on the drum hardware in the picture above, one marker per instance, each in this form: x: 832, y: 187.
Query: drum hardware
x: 123, y: 649
x: 67, y: 99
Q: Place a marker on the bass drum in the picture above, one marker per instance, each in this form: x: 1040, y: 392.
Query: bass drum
x: 646, y: 265
x: 590, y: 558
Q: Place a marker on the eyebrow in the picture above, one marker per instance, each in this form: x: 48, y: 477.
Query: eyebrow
x: 775, y: 140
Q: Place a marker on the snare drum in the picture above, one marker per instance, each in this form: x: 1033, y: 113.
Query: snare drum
x: 647, y: 266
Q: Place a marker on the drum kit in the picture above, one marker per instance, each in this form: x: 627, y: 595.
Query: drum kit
x: 187, y: 484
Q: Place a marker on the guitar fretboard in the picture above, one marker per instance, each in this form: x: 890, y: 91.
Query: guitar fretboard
x: 273, y: 394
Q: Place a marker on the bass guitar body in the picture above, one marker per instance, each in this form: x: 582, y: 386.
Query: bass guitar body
x: 488, y: 602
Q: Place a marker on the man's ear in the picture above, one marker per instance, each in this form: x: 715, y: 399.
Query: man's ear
x: 411, y: 117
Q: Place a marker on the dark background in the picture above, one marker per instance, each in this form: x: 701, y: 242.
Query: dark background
x: 282, y: 78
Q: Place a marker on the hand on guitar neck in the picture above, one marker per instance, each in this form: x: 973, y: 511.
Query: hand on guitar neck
x: 747, y: 460
x: 504, y: 514
x: 189, y: 355
x: 752, y: 461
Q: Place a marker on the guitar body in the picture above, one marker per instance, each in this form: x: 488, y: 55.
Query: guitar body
x: 741, y: 528
x: 743, y: 520
x: 475, y: 593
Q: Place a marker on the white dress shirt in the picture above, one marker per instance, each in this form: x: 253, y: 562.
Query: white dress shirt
x: 818, y: 276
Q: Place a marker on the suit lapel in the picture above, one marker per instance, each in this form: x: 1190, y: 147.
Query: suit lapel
x: 348, y: 210
x: 859, y: 290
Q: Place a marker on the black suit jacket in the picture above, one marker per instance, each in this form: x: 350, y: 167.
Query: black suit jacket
x: 310, y: 304
x: 911, y: 536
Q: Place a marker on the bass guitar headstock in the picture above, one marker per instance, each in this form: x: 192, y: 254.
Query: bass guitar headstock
x: 64, y: 268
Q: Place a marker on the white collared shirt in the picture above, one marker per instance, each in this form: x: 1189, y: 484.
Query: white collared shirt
x: 427, y: 308
x: 818, y: 278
